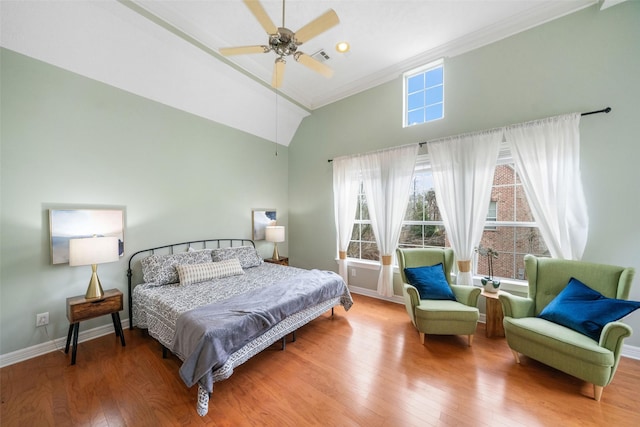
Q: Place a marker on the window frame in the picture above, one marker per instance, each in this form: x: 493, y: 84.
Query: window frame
x: 505, y: 158
x: 423, y: 163
x: 405, y: 95
x: 360, y: 222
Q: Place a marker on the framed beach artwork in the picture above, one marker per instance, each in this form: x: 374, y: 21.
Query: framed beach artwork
x: 66, y: 224
x: 260, y: 219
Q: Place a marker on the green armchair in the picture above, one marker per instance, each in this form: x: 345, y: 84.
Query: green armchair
x: 438, y: 317
x: 555, y: 345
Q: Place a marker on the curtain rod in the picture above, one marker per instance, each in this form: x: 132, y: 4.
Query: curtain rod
x: 604, y: 110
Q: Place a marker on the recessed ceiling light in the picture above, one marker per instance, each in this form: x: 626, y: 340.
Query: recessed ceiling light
x: 343, y: 47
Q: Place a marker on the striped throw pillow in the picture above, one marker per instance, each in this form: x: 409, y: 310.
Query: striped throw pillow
x: 195, y: 273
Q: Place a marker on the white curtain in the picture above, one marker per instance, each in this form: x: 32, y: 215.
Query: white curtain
x: 387, y: 177
x: 463, y: 168
x: 547, y: 157
x: 346, y: 179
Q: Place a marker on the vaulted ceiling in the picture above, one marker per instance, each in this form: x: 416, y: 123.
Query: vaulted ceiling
x: 167, y: 51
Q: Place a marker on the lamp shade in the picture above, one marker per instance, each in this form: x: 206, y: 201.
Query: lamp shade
x: 93, y: 250
x: 274, y: 233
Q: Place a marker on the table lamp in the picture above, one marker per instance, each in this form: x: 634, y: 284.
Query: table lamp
x: 93, y: 251
x: 275, y: 234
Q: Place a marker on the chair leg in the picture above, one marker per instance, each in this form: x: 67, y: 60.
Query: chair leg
x: 422, y: 338
x: 470, y: 340
x: 597, y: 392
x: 516, y: 356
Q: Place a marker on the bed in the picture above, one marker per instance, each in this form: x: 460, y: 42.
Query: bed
x: 215, y: 304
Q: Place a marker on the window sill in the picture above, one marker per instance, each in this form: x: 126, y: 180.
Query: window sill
x: 367, y: 265
x: 509, y: 285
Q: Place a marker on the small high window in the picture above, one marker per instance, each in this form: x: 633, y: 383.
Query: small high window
x: 424, y: 94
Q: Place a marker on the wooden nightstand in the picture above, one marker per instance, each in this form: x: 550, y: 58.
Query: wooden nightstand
x: 282, y: 260
x: 79, y: 309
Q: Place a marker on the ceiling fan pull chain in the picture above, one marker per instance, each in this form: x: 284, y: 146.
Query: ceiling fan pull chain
x: 276, y: 138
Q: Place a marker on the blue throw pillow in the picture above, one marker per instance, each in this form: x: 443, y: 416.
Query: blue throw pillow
x: 585, y: 310
x: 430, y: 282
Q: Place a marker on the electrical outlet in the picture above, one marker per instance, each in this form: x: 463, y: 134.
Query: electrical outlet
x: 353, y: 272
x: 42, y: 319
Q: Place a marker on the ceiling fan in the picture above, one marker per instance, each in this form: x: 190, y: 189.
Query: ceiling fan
x: 284, y: 42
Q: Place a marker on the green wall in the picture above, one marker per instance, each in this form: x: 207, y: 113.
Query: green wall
x: 68, y: 141
x: 582, y: 62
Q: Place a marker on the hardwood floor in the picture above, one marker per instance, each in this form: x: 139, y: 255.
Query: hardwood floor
x: 365, y: 367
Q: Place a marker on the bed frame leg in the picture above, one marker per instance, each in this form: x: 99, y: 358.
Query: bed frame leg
x: 331, y: 311
x: 165, y: 353
x: 284, y: 339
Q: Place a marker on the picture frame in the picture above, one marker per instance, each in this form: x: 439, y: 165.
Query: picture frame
x: 260, y: 219
x: 67, y: 224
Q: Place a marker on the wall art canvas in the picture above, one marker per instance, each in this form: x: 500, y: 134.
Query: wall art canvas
x: 260, y: 219
x: 66, y: 224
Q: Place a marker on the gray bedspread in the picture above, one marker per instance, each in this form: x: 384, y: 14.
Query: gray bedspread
x: 207, y: 335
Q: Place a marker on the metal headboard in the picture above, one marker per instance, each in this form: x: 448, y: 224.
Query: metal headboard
x: 169, y: 249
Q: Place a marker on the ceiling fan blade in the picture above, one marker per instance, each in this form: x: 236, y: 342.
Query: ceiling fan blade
x: 278, y: 73
x: 241, y: 50
x: 316, y: 66
x: 258, y: 11
x: 317, y: 26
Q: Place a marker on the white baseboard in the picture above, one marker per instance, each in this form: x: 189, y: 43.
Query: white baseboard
x: 373, y: 294
x: 56, y: 344
x: 629, y: 351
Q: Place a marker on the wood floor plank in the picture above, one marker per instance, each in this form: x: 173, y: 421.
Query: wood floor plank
x: 365, y: 367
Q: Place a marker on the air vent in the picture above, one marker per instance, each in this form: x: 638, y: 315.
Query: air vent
x: 321, y: 56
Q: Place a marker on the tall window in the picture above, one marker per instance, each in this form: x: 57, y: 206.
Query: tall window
x: 424, y: 94
x: 514, y: 233
x: 510, y: 230
x: 422, y: 224
x: 363, y: 242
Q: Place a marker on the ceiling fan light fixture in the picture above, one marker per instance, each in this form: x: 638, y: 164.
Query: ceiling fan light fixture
x: 343, y: 47
x: 283, y: 43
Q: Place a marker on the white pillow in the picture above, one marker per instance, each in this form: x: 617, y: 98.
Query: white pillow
x: 195, y: 273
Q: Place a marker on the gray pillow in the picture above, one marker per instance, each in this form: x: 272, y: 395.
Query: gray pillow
x: 161, y: 269
x: 247, y: 255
